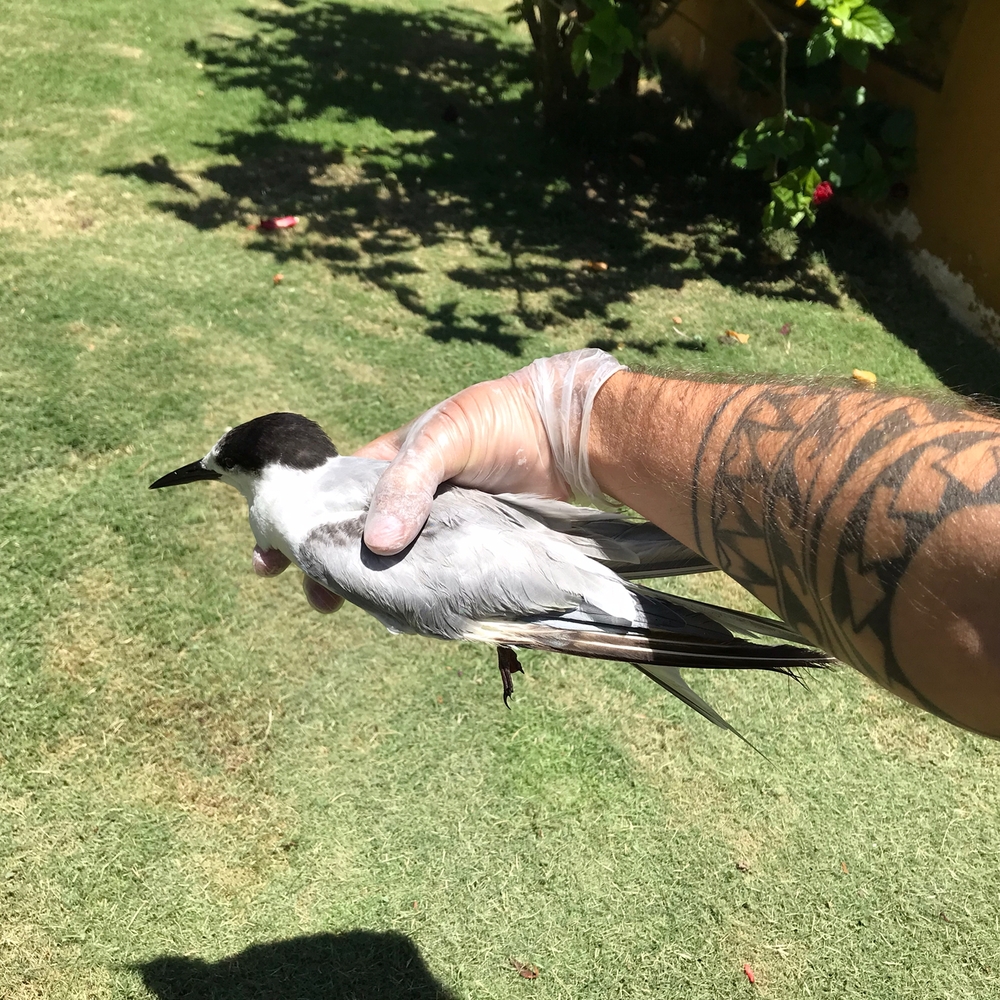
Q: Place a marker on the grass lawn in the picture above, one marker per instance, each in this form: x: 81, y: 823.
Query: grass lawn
x: 207, y: 790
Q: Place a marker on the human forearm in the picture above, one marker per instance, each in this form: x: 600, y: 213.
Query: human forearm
x: 869, y: 523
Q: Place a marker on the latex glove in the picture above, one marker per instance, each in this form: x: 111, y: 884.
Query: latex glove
x: 271, y: 562
x: 523, y: 433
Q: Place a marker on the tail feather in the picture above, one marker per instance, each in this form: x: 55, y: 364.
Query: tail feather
x: 683, y: 564
x: 658, y: 655
x: 737, y: 621
x: 651, y: 552
x: 670, y: 678
x: 653, y: 647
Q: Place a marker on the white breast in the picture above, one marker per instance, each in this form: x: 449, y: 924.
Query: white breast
x: 287, y: 504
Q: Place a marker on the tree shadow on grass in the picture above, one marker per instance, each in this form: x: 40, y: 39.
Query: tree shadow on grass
x: 393, y: 132
x: 878, y: 274
x: 355, y: 965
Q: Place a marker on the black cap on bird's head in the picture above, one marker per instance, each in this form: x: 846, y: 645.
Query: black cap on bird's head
x: 287, y: 439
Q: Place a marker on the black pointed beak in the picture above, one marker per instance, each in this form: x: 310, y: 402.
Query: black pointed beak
x: 192, y: 473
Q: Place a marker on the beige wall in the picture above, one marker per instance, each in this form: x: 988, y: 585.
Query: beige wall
x: 955, y: 191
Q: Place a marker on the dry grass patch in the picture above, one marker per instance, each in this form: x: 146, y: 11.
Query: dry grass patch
x: 893, y: 733
x: 47, y: 216
x: 122, y: 51
x: 34, y: 206
x: 83, y: 641
x: 356, y: 371
x: 33, y: 966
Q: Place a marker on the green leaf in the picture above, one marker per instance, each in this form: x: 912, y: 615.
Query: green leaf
x: 823, y: 134
x: 628, y: 15
x: 623, y: 39
x: 843, y: 9
x: 899, y: 130
x: 852, y: 171
x: 772, y: 139
x: 869, y: 25
x: 791, y: 202
x: 904, y: 32
x: 603, y: 25
x: 855, y: 96
x: 822, y: 45
x: 598, y: 48
x: 903, y: 163
x: 578, y: 54
x: 604, y: 72
x: 872, y: 157
x: 854, y: 54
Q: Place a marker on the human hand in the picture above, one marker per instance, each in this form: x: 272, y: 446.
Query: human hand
x: 271, y: 562
x: 523, y: 433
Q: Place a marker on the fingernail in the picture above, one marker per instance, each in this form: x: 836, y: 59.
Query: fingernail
x: 385, y: 534
x: 321, y: 599
x: 268, y: 562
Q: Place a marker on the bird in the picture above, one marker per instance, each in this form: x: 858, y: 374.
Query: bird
x: 511, y: 570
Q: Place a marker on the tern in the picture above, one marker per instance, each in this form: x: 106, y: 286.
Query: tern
x: 514, y: 571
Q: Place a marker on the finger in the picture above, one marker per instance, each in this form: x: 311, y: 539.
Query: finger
x: 435, y: 449
x: 398, y: 510
x: 269, y: 562
x: 322, y: 600
x: 385, y: 447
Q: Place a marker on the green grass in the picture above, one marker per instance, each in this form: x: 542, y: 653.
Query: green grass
x: 207, y: 790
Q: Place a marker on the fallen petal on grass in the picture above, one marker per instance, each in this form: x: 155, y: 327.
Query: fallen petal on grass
x: 278, y: 222
x: 739, y: 338
x: 524, y: 970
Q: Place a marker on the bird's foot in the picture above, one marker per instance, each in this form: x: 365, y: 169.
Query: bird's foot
x: 509, y: 664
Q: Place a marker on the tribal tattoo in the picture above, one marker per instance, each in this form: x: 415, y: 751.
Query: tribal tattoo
x: 818, y: 501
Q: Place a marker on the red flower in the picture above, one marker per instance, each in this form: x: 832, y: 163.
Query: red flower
x: 283, y: 222
x: 823, y: 192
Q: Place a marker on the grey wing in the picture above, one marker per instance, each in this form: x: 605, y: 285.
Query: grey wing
x: 472, y: 562
x: 635, y: 550
x: 639, y: 550
x: 481, y: 570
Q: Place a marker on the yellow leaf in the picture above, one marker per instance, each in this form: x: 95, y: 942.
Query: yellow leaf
x: 865, y: 378
x: 741, y: 338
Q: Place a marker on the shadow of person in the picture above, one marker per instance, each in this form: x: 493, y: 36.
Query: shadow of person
x: 155, y: 171
x: 353, y: 965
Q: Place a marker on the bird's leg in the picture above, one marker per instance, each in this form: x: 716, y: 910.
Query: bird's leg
x: 509, y: 664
